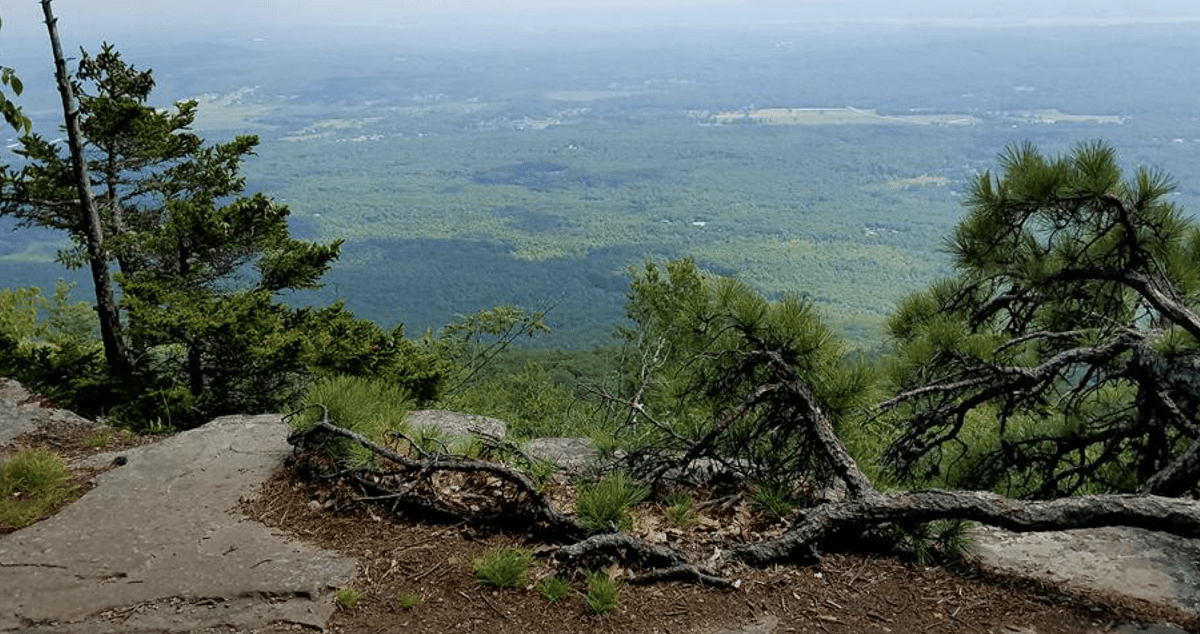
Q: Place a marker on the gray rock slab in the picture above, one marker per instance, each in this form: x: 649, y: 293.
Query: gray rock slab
x: 567, y: 452
x: 159, y: 546
x: 457, y: 425
x: 20, y: 412
x: 1152, y: 566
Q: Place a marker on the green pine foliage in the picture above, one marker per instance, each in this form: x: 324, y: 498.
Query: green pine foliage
x: 530, y: 401
x: 703, y: 344
x: 49, y: 344
x: 1056, y: 361
x: 371, y: 407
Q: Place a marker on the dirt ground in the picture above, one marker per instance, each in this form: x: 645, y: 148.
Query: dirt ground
x: 846, y: 593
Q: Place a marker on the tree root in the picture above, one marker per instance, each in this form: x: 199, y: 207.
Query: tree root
x: 666, y: 564
x: 818, y: 525
x: 400, y: 487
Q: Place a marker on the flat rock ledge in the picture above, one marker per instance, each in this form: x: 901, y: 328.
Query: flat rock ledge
x: 1151, y: 566
x: 158, y: 546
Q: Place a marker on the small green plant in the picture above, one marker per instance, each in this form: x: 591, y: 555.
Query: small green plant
x: 542, y: 471
x: 103, y: 439
x: 33, y: 482
x: 681, y: 510
x: 371, y: 407
x: 99, y: 441
x: 604, y: 594
x: 604, y: 506
x: 926, y: 543
x: 157, y: 427
x: 775, y: 499
x: 553, y: 588
x: 503, y: 567
x: 408, y: 601
x: 349, y: 597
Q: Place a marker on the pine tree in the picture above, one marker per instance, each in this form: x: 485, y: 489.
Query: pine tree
x: 1062, y: 358
x: 722, y: 373
x: 199, y: 262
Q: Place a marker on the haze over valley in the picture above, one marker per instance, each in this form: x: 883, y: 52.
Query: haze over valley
x: 522, y: 159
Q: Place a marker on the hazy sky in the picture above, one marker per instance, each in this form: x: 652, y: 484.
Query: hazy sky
x: 104, y: 16
x: 87, y: 23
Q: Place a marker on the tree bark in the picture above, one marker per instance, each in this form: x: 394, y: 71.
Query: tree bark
x: 1171, y: 515
x: 115, y: 351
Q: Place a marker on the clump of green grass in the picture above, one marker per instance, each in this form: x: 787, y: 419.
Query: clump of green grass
x: 349, y: 597
x: 33, y: 482
x: 553, y: 588
x: 408, y: 600
x: 503, y: 567
x: 604, y: 593
x: 371, y: 407
x: 775, y: 499
x: 604, y: 506
x: 681, y: 510
x: 99, y: 441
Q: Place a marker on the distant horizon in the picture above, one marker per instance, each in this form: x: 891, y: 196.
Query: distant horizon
x: 96, y: 20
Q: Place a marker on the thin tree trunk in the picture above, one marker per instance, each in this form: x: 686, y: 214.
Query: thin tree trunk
x: 115, y: 351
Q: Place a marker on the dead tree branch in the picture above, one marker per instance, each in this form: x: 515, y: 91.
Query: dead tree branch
x: 828, y: 521
x: 399, y: 485
x: 665, y: 563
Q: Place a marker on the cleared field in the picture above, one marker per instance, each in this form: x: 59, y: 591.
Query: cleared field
x: 830, y: 116
x: 917, y: 181
x: 1056, y: 116
x: 231, y: 111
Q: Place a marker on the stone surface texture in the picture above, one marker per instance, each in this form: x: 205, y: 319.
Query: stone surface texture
x: 1133, y: 562
x: 158, y: 545
x: 457, y: 425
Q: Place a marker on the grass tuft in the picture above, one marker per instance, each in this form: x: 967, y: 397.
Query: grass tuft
x: 33, y: 482
x: 503, y: 567
x: 554, y: 588
x: 604, y: 506
x: 775, y: 499
x: 681, y: 510
x: 408, y: 600
x: 349, y: 597
x: 604, y: 593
